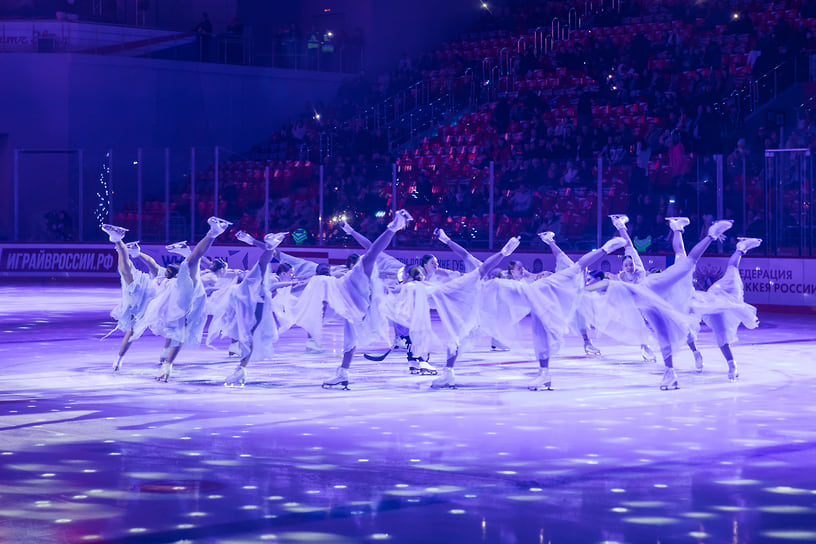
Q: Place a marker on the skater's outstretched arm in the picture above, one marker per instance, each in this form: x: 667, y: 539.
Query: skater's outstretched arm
x: 471, y: 262
x: 364, y: 242
x: 152, y: 265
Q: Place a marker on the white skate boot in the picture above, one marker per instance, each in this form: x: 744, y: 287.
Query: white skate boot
x: 133, y: 249
x: 446, y: 381
x: 400, y: 342
x: 613, y: 244
x: 164, y: 372
x: 345, y: 227
x: 234, y: 349
x: 669, y: 380
x: 547, y: 236
x: 511, y: 245
x: 179, y: 248
x: 718, y: 228
x: 422, y: 367
x: 746, y: 244
x: 733, y: 374
x: 340, y: 378
x: 698, y: 361
x: 442, y: 235
x: 678, y: 223
x: 217, y: 226
x: 591, y: 350
x: 245, y: 237
x: 313, y: 347
x: 274, y: 239
x: 542, y: 381
x: 115, y: 234
x: 619, y: 220
x: 237, y: 378
x: 647, y: 354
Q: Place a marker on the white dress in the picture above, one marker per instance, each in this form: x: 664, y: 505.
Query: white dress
x: 177, y: 311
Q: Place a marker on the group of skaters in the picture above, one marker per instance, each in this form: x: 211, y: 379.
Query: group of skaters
x: 379, y: 300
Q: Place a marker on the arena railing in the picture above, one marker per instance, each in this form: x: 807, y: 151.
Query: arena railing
x: 166, y: 195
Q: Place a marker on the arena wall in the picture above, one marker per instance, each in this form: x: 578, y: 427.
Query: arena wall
x: 769, y: 281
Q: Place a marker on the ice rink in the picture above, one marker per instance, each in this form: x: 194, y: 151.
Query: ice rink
x: 87, y: 455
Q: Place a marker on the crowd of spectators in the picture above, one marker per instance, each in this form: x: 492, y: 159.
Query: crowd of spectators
x: 683, y: 82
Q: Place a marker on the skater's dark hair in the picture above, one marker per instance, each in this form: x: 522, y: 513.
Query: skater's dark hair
x: 323, y: 270
x: 171, y: 271
x: 425, y: 259
x: 283, y: 267
x: 597, y: 274
x: 352, y: 259
x: 217, y: 264
x: 415, y: 273
x: 628, y: 257
x: 512, y: 265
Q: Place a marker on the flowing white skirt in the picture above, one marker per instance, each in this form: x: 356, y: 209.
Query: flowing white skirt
x: 135, y: 298
x: 177, y: 311
x: 723, y: 309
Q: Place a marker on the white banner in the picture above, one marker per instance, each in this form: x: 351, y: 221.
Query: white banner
x: 768, y: 280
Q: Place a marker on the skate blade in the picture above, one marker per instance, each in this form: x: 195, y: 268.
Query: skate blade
x: 343, y: 386
x: 428, y: 372
x: 446, y: 386
x: 671, y: 387
x: 545, y: 387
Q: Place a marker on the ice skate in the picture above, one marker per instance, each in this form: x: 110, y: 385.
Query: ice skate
x: 547, y: 236
x: 669, y: 380
x: 647, y: 354
x: 542, y: 381
x: 408, y: 217
x: 678, y: 223
x: 179, y: 248
x: 442, y: 235
x: 497, y: 345
x: 117, y: 364
x: 274, y: 239
x: 511, y: 245
x: 245, y: 237
x: 591, y: 350
x: 614, y: 244
x: 446, y: 381
x: 400, y: 342
x: 133, y: 249
x: 237, y: 378
x: 718, y: 228
x: 115, y: 234
x: 217, y: 226
x: 164, y: 372
x: 619, y: 221
x: 398, y: 223
x: 313, y: 347
x: 345, y: 227
x: 340, y: 378
x: 733, y: 374
x: 234, y: 349
x: 746, y: 244
x: 698, y: 361
x: 422, y: 367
